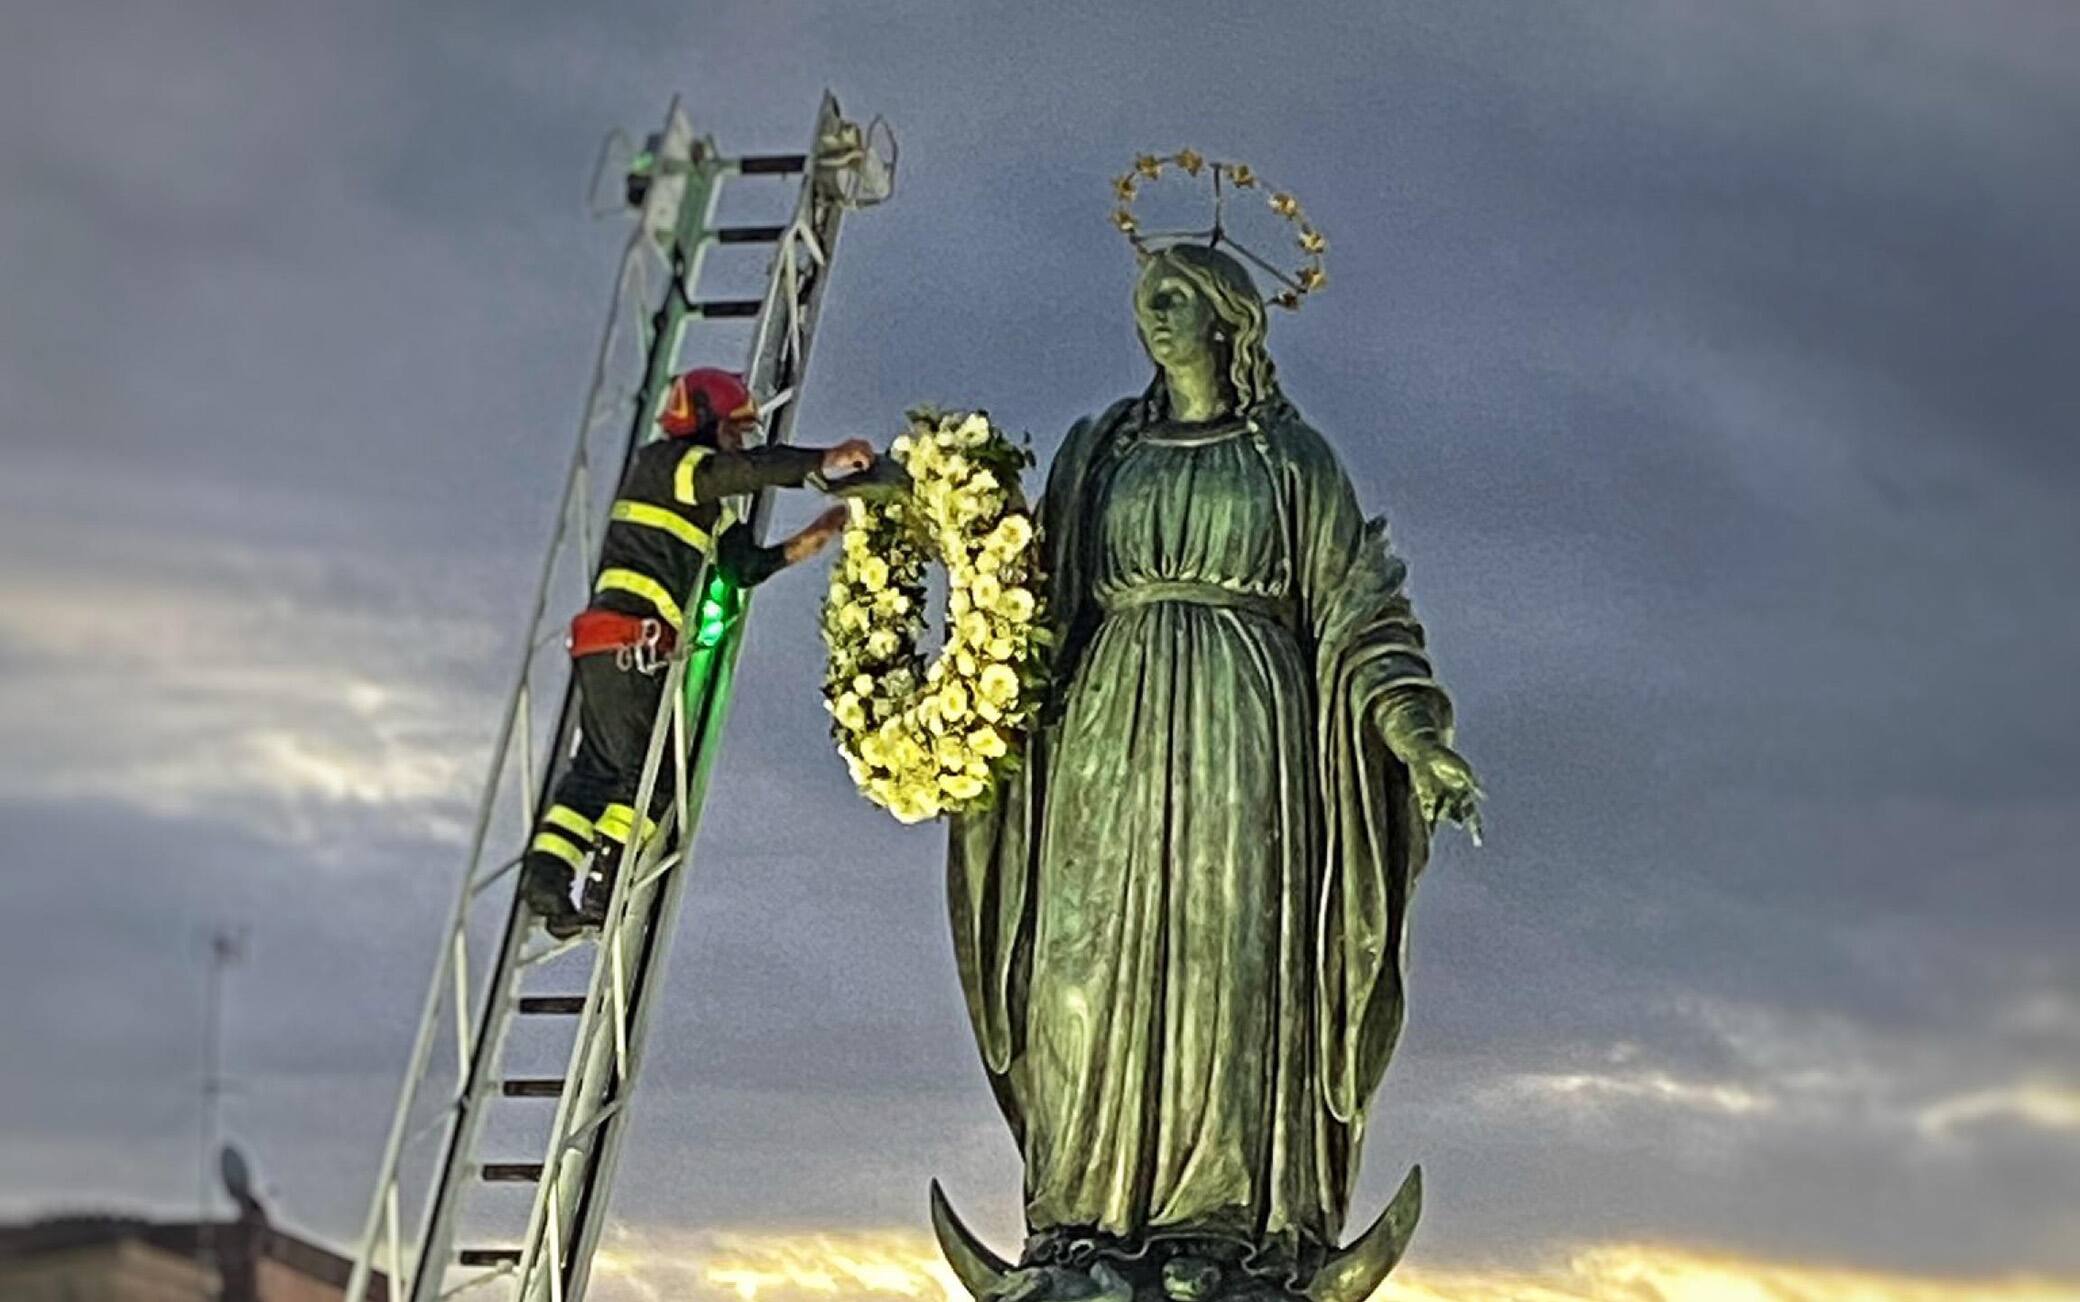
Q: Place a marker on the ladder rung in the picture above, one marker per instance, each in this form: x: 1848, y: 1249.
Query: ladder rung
x: 532, y: 1088
x: 512, y: 1172
x: 552, y: 1005
x: 488, y: 1257
x: 722, y: 307
x: 749, y: 234
x: 771, y: 164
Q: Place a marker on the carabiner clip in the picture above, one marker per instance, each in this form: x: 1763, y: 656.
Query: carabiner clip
x: 646, y: 658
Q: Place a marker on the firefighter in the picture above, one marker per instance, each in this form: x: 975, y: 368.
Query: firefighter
x: 671, y: 517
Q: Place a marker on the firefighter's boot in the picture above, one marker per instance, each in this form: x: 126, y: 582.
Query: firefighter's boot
x: 599, y: 888
x: 545, y: 888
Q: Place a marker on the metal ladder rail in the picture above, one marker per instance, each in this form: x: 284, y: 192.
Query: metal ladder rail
x: 695, y: 200
x: 584, y: 1150
x: 679, y: 311
x: 799, y: 291
x: 382, y: 1227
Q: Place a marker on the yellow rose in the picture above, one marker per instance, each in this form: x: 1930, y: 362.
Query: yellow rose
x: 986, y: 591
x: 961, y: 786
x: 951, y: 753
x: 1014, y: 532
x: 1015, y: 604
x: 987, y: 742
x: 999, y: 684
x: 915, y: 806
x: 882, y: 644
x: 953, y: 702
x: 974, y: 628
x: 849, y: 712
x: 873, y: 573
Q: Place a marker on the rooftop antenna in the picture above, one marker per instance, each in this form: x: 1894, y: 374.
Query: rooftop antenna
x: 227, y: 947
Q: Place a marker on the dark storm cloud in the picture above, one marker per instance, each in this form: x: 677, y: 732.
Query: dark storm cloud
x: 1707, y: 359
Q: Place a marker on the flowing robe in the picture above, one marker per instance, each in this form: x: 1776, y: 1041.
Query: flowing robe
x: 1180, y: 930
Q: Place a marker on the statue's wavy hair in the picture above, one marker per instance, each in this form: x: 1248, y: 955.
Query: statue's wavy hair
x: 1231, y: 292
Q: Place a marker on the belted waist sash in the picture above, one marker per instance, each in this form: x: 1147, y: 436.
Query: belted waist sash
x: 1116, y: 601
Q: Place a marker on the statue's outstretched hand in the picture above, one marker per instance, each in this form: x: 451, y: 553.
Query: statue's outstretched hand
x: 1445, y: 786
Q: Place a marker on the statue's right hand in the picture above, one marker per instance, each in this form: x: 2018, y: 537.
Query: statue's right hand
x: 848, y: 458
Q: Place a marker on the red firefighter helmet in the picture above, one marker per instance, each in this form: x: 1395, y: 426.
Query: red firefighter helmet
x: 700, y: 397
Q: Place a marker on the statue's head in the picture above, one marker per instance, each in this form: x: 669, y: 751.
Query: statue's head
x: 1193, y: 301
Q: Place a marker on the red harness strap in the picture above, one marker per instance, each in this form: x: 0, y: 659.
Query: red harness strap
x: 594, y: 631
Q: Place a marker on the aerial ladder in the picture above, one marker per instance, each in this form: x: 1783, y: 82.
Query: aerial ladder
x: 467, y: 1230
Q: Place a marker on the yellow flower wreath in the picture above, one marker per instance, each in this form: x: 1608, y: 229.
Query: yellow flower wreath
x: 927, y: 739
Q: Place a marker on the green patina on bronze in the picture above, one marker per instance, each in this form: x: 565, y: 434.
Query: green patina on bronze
x: 1180, y: 932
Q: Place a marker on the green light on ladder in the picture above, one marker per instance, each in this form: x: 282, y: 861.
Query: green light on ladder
x: 714, y: 616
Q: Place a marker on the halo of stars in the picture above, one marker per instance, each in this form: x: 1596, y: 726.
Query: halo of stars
x: 1295, y: 284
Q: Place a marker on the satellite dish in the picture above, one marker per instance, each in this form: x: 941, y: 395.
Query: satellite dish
x: 238, y: 1176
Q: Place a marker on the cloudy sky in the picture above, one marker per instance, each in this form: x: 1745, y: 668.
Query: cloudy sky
x: 1713, y: 360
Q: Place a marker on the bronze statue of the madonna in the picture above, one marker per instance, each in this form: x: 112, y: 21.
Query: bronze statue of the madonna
x: 1180, y: 929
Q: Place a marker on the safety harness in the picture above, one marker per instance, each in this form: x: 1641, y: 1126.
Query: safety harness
x: 639, y: 643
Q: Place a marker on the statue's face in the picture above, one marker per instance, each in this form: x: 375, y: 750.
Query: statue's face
x: 1176, y: 323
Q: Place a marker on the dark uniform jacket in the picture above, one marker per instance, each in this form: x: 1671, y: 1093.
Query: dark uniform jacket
x: 674, y: 512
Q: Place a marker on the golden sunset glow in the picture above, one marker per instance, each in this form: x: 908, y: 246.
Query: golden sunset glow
x: 808, y: 1267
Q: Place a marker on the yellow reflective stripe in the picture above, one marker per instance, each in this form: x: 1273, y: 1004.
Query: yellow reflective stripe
x: 656, y: 517
x: 615, y: 820
x: 551, y: 843
x: 682, y: 478
x: 570, y: 820
x: 649, y: 589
